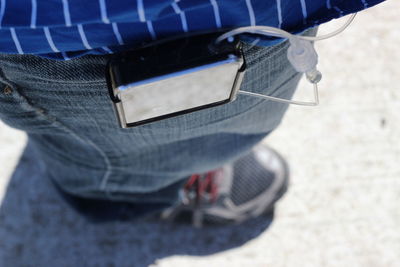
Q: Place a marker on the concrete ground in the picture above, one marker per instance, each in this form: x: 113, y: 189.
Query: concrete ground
x: 343, y: 208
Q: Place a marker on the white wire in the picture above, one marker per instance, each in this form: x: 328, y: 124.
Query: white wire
x: 332, y: 34
x: 275, y: 32
x: 262, y: 30
x: 286, y: 101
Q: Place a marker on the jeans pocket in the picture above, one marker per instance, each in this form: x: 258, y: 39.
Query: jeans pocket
x: 17, y: 111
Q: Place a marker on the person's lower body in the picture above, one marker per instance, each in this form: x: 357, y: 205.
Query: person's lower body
x: 65, y: 109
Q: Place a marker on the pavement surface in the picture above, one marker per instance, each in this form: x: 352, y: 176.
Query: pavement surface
x: 343, y: 207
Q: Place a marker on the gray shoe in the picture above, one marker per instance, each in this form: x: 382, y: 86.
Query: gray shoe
x: 247, y: 188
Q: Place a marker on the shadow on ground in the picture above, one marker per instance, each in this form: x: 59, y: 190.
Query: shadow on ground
x: 37, y: 228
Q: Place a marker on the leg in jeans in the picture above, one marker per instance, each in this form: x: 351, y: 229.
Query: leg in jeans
x: 65, y: 109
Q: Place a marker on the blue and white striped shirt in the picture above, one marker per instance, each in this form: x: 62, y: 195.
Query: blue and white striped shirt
x: 63, y: 29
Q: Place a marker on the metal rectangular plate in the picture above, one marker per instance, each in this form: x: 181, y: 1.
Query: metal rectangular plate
x: 178, y: 93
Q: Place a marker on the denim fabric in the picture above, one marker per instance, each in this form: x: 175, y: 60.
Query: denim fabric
x: 65, y: 109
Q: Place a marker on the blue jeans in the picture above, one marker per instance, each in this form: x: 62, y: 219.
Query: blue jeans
x: 65, y: 109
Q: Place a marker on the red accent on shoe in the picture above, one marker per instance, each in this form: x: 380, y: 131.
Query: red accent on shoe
x: 204, y: 186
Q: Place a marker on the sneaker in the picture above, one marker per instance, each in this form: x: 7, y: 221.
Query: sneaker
x: 244, y: 189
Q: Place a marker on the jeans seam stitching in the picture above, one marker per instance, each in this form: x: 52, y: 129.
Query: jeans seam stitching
x: 27, y: 105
